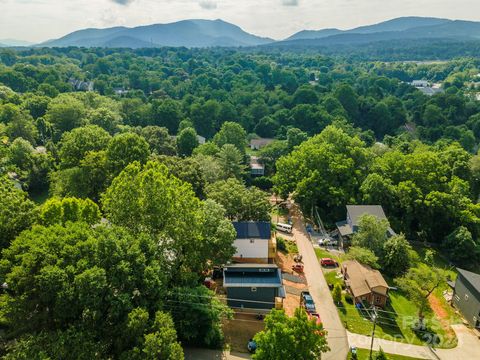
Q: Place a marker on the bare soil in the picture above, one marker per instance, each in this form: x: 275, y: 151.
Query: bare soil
x: 240, y: 330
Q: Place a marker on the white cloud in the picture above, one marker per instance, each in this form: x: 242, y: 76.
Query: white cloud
x: 290, y: 2
x: 208, y: 4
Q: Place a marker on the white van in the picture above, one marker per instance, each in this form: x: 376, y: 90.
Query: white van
x: 284, y: 227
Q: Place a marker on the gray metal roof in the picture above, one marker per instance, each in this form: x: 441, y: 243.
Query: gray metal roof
x: 344, y: 228
x: 472, y: 278
x: 252, y: 229
x: 356, y: 211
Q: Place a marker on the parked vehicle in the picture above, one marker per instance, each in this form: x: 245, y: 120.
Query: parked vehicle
x: 306, y: 301
x: 298, y: 258
x: 324, y: 241
x: 328, y: 262
x: 298, y: 267
x: 284, y: 227
x: 315, y: 316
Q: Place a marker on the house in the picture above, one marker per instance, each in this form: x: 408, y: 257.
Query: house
x: 466, y: 296
x: 80, y: 85
x: 253, y: 286
x: 420, y: 83
x: 201, y: 139
x: 364, y: 283
x: 347, y: 228
x: 257, y: 144
x: 254, y: 242
x: 256, y: 168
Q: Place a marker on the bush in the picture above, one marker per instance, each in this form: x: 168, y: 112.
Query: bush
x: 348, y: 298
x: 282, y: 245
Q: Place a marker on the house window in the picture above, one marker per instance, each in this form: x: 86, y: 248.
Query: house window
x: 466, y: 297
x: 378, y: 299
x: 457, y: 298
x: 253, y: 289
x: 252, y: 241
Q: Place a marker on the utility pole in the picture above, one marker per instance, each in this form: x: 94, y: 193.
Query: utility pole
x: 373, y: 332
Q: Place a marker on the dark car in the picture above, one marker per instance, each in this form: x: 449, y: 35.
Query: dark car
x: 307, y: 302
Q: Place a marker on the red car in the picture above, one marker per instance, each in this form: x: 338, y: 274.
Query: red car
x: 298, y: 268
x: 315, y: 316
x: 328, y: 262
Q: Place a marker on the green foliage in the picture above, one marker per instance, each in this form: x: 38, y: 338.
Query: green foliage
x: 371, y: 234
x: 197, y: 315
x: 231, y: 133
x: 364, y: 256
x: 462, y: 248
x: 337, y: 293
x: 59, y: 211
x: 286, y: 337
x: 187, y: 141
x: 395, y: 258
x: 74, y: 276
x: 240, y: 203
x: 230, y: 160
x: 17, y: 212
x: 75, y: 144
x: 65, y: 113
x: 381, y: 355
x: 126, y: 148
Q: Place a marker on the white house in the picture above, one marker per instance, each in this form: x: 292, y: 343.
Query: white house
x: 254, y: 242
x: 256, y: 168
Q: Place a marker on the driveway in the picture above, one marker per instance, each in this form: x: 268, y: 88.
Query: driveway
x: 337, y: 336
x: 468, y: 345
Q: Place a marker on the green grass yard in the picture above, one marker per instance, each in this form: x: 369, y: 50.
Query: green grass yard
x: 363, y: 354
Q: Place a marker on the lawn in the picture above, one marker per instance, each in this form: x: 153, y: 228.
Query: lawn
x: 363, y: 354
x: 323, y: 253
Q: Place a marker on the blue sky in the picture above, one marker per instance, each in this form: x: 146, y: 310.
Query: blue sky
x: 38, y: 20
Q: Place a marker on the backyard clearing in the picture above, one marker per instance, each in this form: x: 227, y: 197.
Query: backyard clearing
x: 240, y: 330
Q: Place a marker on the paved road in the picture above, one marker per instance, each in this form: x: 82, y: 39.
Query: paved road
x: 468, y: 345
x: 337, y: 336
x: 391, y: 347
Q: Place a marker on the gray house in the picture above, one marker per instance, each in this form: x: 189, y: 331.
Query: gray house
x: 466, y: 296
x: 347, y: 228
x: 253, y: 286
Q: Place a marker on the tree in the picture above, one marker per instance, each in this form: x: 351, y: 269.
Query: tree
x: 65, y: 113
x: 198, y: 315
x: 396, y: 255
x: 381, y: 355
x: 371, y: 234
x: 296, y: 338
x: 160, y: 141
x: 364, y: 256
x: 240, y: 203
x: 126, y: 148
x: 105, y: 118
x: 187, y: 141
x: 167, y: 113
x: 230, y: 160
x: 461, y: 247
x: 295, y: 137
x: 348, y: 98
x: 337, y: 293
x: 73, y: 276
x: 150, y: 200
x: 231, y: 133
x: 75, y: 144
x: 59, y: 211
x: 17, y: 212
x: 418, y: 283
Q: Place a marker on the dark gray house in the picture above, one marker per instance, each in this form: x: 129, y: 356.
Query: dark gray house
x: 466, y: 296
x: 253, y: 286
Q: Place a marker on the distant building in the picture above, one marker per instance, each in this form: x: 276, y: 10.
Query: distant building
x: 256, y: 168
x: 257, y: 144
x: 201, y: 139
x: 254, y: 242
x: 364, y: 283
x: 253, y: 286
x: 426, y: 88
x: 347, y: 228
x: 79, y: 85
x: 466, y: 296
x: 420, y: 83
x: 120, y: 91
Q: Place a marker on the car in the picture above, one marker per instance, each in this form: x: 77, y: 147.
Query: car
x: 314, y: 316
x: 328, y: 262
x: 323, y: 242
x: 306, y: 301
x: 333, y: 242
x: 298, y: 268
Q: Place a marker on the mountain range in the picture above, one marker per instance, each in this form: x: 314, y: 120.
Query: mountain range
x: 211, y: 33
x: 14, y: 42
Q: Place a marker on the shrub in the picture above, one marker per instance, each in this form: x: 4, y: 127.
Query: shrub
x: 282, y: 245
x: 348, y: 298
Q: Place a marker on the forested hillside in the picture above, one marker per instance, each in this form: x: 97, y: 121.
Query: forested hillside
x: 97, y: 143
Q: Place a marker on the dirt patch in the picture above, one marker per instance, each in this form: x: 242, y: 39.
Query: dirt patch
x: 241, y: 329
x: 442, y: 315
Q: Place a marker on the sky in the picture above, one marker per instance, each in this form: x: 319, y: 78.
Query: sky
x: 40, y: 20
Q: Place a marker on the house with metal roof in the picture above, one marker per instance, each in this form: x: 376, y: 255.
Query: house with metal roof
x: 257, y: 144
x: 466, y: 296
x: 347, y: 228
x: 253, y: 286
x: 256, y: 167
x: 254, y: 242
x: 364, y: 283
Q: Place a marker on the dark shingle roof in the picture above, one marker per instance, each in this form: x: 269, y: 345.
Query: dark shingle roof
x: 252, y: 230
x: 472, y: 278
x: 356, y: 211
